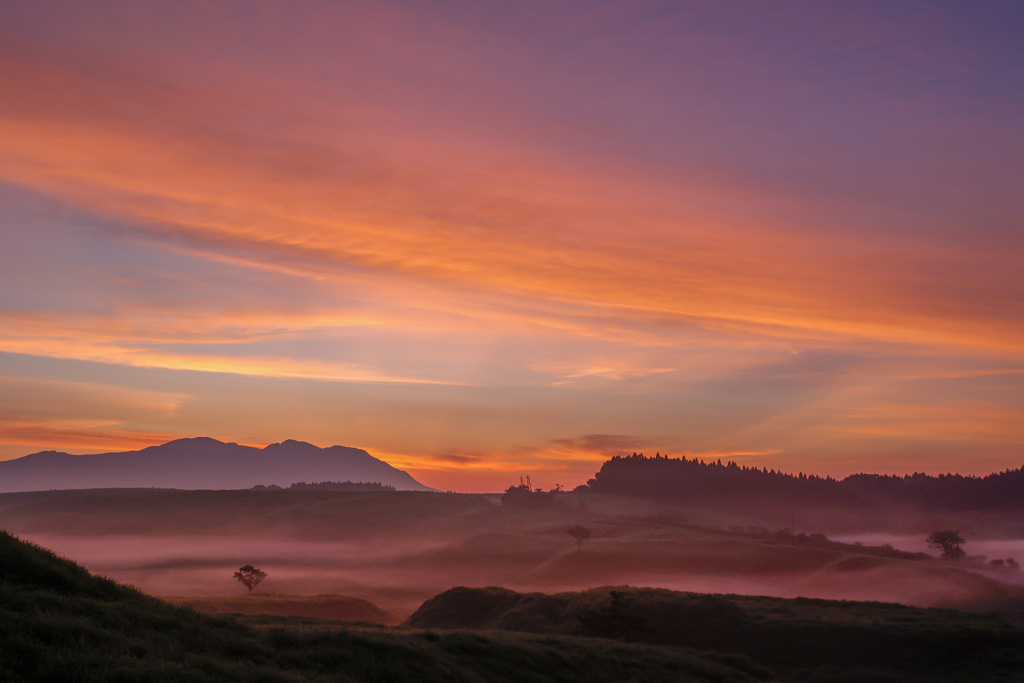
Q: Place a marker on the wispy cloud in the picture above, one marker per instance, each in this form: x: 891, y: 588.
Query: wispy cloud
x: 44, y: 414
x: 451, y: 230
x: 19, y: 437
x: 755, y: 232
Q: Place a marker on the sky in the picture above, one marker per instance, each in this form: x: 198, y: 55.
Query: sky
x: 489, y: 239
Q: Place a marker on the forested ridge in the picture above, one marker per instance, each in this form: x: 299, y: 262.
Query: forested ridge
x: 682, y: 480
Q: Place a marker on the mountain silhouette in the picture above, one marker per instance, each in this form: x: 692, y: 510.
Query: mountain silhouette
x: 200, y: 463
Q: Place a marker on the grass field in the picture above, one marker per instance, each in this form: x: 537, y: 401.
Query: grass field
x: 330, y: 607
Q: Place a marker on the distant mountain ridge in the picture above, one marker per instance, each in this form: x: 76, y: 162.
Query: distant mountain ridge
x: 679, y: 480
x: 201, y: 463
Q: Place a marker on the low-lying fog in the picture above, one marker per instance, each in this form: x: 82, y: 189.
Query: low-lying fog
x: 397, y: 551
x: 991, y: 549
x: 205, y: 565
x: 399, y: 577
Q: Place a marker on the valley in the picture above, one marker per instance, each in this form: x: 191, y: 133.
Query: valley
x: 398, y: 549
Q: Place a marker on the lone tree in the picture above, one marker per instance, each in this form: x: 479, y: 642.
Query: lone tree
x: 250, y: 576
x: 948, y: 541
x: 580, y: 533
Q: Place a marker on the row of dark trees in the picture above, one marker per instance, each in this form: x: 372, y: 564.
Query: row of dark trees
x: 329, y: 486
x: 997, y: 491
x: 682, y: 480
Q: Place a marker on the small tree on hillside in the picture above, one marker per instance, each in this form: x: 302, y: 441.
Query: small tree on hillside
x: 580, y: 533
x: 250, y: 576
x: 948, y: 541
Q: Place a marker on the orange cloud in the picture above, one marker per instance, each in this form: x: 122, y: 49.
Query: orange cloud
x: 567, y: 462
x: 965, y: 421
x: 452, y: 231
x: 80, y: 438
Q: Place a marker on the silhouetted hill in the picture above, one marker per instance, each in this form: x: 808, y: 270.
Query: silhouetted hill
x: 678, y: 480
x: 200, y: 463
x: 803, y: 639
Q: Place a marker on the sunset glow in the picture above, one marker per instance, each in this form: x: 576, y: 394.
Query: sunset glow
x: 482, y: 241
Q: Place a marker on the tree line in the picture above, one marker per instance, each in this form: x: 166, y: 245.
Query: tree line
x: 328, y: 486
x: 681, y: 479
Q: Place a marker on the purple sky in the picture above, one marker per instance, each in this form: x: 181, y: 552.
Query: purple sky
x: 482, y: 240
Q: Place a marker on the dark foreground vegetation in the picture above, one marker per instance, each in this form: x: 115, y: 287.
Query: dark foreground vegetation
x: 679, y: 480
x: 800, y: 639
x: 59, y: 623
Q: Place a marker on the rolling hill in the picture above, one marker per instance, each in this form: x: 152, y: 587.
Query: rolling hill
x: 398, y: 548
x: 801, y: 639
x: 60, y: 623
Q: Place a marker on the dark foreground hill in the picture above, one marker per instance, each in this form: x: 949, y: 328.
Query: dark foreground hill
x: 801, y: 639
x: 201, y: 463
x: 59, y: 623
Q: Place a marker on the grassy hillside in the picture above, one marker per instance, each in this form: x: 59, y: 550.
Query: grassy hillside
x: 333, y: 607
x: 803, y: 639
x: 59, y: 623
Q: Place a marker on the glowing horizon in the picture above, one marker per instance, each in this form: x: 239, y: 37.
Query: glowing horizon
x: 472, y: 242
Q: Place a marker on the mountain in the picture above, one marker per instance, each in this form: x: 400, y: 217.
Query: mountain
x: 200, y: 463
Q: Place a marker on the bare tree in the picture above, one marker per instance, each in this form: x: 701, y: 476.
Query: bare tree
x: 250, y: 576
x: 580, y: 533
x: 948, y: 541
